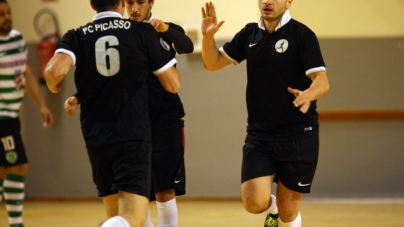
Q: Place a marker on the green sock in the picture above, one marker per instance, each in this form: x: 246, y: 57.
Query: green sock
x: 13, y: 187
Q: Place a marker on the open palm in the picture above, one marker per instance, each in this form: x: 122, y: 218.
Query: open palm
x: 209, y: 21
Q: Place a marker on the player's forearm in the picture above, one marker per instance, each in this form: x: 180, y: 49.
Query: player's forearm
x: 170, y: 80
x: 53, y: 77
x: 56, y: 70
x: 319, y: 85
x: 210, y: 53
x: 32, y: 89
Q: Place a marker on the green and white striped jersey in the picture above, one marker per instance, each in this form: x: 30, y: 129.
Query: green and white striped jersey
x: 13, y: 60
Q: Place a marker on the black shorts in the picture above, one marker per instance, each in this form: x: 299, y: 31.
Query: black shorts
x: 293, y: 162
x: 168, y: 168
x: 124, y: 166
x: 11, y: 148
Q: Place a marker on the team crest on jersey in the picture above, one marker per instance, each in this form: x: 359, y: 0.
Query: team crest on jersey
x: 11, y: 157
x: 281, y: 46
x: 164, y: 44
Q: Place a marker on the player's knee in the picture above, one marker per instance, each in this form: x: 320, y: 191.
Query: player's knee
x: 254, y: 206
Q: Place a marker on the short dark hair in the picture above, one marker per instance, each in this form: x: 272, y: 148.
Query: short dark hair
x: 3, y: 1
x: 104, y: 5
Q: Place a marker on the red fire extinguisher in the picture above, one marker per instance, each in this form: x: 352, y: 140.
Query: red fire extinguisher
x: 46, y: 48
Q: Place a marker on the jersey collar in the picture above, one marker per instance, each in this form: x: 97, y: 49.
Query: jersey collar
x: 106, y: 14
x: 285, y: 19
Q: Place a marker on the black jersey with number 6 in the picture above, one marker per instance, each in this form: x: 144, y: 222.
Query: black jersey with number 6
x: 113, y: 57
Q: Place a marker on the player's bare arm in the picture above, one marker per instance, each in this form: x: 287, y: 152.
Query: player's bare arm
x: 56, y: 70
x: 170, y: 79
x: 33, y: 91
x: 212, y: 58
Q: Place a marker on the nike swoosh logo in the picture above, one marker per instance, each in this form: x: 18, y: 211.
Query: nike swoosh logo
x: 252, y: 44
x: 302, y: 185
x: 176, y: 181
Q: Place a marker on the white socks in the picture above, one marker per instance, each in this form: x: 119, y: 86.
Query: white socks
x: 295, y: 223
x: 273, y: 209
x: 148, y: 222
x: 116, y: 221
x: 167, y: 213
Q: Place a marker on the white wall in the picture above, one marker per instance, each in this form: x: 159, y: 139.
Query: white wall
x: 343, y: 18
x: 347, y: 18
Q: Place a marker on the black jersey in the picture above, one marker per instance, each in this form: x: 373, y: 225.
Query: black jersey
x: 275, y: 62
x: 166, y: 109
x: 113, y: 57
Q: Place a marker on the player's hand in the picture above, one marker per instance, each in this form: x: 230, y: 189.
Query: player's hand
x: 70, y: 106
x: 209, y: 25
x: 159, y: 25
x: 47, y: 117
x: 302, y: 100
x: 54, y: 88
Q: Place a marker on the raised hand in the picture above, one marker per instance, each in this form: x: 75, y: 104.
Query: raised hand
x: 209, y: 21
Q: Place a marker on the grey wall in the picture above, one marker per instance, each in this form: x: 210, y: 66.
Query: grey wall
x: 357, y: 158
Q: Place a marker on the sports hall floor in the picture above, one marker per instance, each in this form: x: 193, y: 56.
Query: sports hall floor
x: 217, y: 213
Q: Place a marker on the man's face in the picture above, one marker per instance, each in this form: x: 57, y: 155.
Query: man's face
x: 5, y: 19
x: 139, y: 10
x: 272, y: 10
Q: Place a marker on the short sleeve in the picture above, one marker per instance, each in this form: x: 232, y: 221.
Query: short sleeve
x: 67, y: 45
x: 234, y: 50
x: 310, y: 52
x: 159, y: 54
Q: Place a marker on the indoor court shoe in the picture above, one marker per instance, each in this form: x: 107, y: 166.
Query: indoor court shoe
x: 271, y: 220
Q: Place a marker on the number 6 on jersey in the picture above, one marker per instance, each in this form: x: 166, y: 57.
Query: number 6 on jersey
x: 107, y: 57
